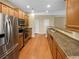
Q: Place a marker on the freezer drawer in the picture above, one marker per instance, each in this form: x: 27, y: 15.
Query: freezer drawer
x: 2, y: 50
x: 12, y: 54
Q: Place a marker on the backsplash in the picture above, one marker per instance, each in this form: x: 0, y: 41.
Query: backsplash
x: 60, y: 22
x: 76, y: 34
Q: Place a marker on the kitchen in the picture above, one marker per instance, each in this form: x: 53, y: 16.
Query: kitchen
x: 46, y: 29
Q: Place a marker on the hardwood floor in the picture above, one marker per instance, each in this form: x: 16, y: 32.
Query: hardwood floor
x: 36, y: 48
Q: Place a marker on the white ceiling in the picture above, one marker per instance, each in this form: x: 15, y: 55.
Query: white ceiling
x: 39, y: 6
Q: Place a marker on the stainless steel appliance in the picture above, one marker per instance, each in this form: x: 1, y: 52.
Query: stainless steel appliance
x: 8, y: 37
x: 21, y: 25
x: 21, y: 22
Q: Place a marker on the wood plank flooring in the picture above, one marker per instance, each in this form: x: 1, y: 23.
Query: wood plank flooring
x: 36, y: 48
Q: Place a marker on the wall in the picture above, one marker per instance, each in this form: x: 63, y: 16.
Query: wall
x: 40, y: 19
x: 31, y: 23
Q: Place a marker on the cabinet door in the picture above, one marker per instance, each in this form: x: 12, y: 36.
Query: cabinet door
x: 11, y: 11
x: 72, y: 14
x: 23, y: 15
x: 0, y: 7
x: 51, y: 43
x: 26, y: 20
x: 4, y: 9
x: 59, y: 56
x: 20, y: 40
x: 20, y: 14
x: 60, y: 53
x: 76, y: 12
x: 16, y: 14
x: 54, y: 49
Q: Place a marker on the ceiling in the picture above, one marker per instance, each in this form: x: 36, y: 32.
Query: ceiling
x: 39, y: 6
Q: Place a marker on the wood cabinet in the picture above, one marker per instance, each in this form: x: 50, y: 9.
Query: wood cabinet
x: 56, y: 51
x: 3, y: 8
x: 11, y: 11
x: 72, y: 13
x: 20, y: 40
x: 26, y: 20
x: 52, y: 45
x: 23, y: 15
x: 59, y: 56
x: 60, y: 53
x: 16, y: 13
x: 6, y: 9
x: 20, y: 14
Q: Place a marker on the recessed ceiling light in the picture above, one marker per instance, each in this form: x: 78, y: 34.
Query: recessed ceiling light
x: 28, y: 6
x: 47, y: 11
x: 48, y: 6
x: 32, y: 11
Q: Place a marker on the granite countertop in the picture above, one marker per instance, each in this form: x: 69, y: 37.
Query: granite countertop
x: 68, y: 43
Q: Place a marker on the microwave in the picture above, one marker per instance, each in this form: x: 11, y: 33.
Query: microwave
x: 21, y: 22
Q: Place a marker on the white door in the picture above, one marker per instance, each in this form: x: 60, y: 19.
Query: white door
x: 46, y: 24
x: 37, y: 26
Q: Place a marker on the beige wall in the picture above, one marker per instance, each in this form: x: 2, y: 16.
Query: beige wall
x: 41, y: 19
x: 31, y: 23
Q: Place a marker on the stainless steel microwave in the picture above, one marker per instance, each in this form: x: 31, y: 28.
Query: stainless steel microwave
x: 21, y: 22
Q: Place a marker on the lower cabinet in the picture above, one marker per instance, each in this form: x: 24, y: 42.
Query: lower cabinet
x: 60, y: 53
x: 20, y: 40
x: 14, y: 54
x: 56, y: 51
x: 59, y: 56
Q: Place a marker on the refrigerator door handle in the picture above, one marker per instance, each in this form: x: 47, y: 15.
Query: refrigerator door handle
x: 7, y: 31
x: 10, y: 27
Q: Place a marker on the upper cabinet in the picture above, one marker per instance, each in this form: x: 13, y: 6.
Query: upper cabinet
x: 20, y: 14
x: 16, y: 13
x: 11, y: 11
x: 72, y: 12
x: 6, y: 9
x: 23, y: 15
x: 26, y: 20
x: 3, y: 8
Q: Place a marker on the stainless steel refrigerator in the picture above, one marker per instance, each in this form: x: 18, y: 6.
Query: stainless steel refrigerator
x: 8, y: 37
